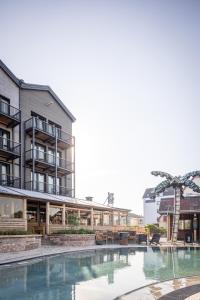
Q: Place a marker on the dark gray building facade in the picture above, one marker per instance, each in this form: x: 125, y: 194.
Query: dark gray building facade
x: 37, y: 149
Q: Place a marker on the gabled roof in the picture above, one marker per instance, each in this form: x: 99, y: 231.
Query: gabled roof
x: 149, y: 193
x: 9, y: 73
x: 28, y: 86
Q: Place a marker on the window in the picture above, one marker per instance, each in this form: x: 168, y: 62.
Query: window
x: 55, y: 215
x: 98, y: 218
x: 106, y: 219
x: 39, y: 182
x: 4, y: 174
x: 39, y: 151
x: 54, y: 185
x: 51, y: 156
x: 39, y: 121
x: 5, y: 140
x: 54, y: 128
x: 115, y: 219
x: 4, y: 105
x: 51, y: 184
x: 11, y: 208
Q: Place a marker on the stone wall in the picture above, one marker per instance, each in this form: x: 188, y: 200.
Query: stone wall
x: 15, y: 243
x: 77, y: 240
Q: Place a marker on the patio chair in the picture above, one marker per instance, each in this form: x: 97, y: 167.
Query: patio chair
x: 100, y: 238
x: 141, y: 238
x: 155, y: 239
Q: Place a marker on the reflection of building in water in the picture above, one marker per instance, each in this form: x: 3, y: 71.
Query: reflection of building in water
x: 168, y: 263
x: 56, y: 278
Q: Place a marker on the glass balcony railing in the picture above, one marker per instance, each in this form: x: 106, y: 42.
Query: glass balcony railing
x: 50, y: 130
x: 44, y: 187
x: 9, y: 111
x: 9, y: 147
x: 49, y: 159
x: 9, y: 180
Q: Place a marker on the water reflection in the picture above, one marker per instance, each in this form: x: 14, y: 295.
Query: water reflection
x: 167, y: 263
x: 96, y: 275
x: 56, y: 277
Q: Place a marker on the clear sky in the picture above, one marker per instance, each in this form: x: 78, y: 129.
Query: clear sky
x: 130, y: 73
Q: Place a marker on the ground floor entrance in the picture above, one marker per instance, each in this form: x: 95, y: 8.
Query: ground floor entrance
x: 188, y: 229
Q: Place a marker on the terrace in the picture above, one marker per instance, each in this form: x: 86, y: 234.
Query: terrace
x: 48, y: 133
x: 9, y: 115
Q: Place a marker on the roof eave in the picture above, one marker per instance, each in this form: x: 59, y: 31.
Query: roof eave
x: 10, y: 73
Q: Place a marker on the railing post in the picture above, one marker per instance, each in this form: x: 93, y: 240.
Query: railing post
x: 56, y: 167
x: 92, y: 218
x: 63, y: 215
x: 73, y: 174
x: 33, y: 155
x: 47, y: 217
x: 25, y: 213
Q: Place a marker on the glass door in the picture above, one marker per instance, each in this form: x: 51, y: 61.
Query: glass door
x: 51, y: 156
x: 5, y: 140
x: 4, y: 174
x: 40, y: 180
x: 51, y: 184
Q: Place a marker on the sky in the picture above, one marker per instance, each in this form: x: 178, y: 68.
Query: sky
x: 129, y: 71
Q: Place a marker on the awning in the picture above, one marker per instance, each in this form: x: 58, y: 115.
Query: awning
x: 54, y: 198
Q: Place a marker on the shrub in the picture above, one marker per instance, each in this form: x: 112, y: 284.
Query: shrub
x: 14, y: 232
x: 75, y: 231
x: 153, y: 228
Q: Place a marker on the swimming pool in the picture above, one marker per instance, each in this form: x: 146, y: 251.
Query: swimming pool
x: 95, y: 275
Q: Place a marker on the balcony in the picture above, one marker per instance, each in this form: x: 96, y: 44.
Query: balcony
x: 49, y: 133
x: 9, y: 180
x: 46, y: 161
x: 9, y: 149
x: 9, y: 115
x: 45, y: 187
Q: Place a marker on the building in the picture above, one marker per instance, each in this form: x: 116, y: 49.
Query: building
x: 151, y: 204
x: 37, y: 162
x: 189, y: 222
x: 135, y: 220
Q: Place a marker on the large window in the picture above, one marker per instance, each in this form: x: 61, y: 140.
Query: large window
x: 106, y: 219
x: 11, y: 208
x: 39, y: 181
x: 4, y: 173
x: 98, y: 218
x: 184, y: 224
x: 115, y: 219
x: 39, y: 151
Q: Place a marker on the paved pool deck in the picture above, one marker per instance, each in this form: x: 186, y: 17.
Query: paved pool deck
x: 175, y: 289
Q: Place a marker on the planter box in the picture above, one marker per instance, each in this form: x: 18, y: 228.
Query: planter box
x: 15, y: 243
x: 76, y: 240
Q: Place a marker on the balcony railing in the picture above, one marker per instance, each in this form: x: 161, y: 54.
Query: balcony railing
x: 10, y: 112
x: 49, y: 160
x: 9, y: 147
x: 44, y: 187
x: 49, y: 130
x: 9, y: 180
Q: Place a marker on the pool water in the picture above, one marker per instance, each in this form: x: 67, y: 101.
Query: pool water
x: 95, y: 275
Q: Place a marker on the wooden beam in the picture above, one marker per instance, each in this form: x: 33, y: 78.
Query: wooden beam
x: 47, y: 217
